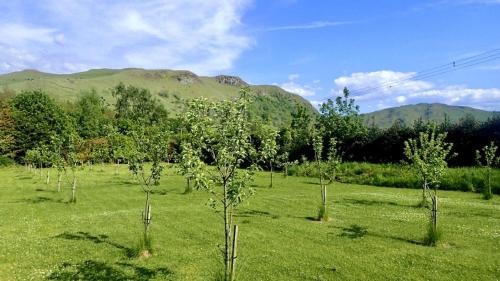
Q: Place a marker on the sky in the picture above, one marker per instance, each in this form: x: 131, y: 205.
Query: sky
x: 388, y: 53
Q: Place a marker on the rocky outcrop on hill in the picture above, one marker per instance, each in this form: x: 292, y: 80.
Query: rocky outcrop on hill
x: 230, y: 80
x: 186, y: 77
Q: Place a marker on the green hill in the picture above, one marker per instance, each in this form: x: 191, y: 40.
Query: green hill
x: 169, y: 86
x: 427, y: 111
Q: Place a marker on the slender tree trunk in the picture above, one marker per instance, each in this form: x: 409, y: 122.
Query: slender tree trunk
x: 489, y: 183
x: 434, y: 211
x: 58, y: 181
x: 47, y: 180
x: 146, y: 217
x: 322, y: 186
x: 227, y: 236
x: 40, y: 170
x: 188, y: 185
x: 424, y: 196
x: 286, y: 171
x: 73, y: 190
x: 234, y: 252
x: 271, y: 165
x: 324, y: 197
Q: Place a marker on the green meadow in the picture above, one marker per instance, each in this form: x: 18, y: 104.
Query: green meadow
x: 375, y: 233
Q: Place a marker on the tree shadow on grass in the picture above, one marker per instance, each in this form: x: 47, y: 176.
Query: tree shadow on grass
x: 374, y: 202
x: 99, y: 239
x: 354, y: 231
x: 357, y: 231
x: 159, y: 192
x: 40, y: 199
x: 255, y: 213
x: 45, y: 190
x: 311, y: 182
x: 91, y: 270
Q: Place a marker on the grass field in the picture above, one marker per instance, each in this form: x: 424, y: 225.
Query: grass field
x: 375, y: 232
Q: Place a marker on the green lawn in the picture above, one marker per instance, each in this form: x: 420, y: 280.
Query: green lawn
x: 375, y: 232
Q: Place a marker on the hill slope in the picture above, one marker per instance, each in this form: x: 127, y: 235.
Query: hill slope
x: 428, y: 112
x: 168, y: 86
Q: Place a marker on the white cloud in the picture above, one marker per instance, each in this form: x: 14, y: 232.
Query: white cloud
x: 19, y: 34
x: 390, y: 88
x: 294, y: 87
x: 312, y: 25
x: 204, y: 36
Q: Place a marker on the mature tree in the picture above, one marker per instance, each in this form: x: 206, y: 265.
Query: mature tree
x: 487, y: 157
x: 269, y: 148
x: 90, y: 116
x: 221, y: 130
x: 7, y: 130
x: 136, y: 106
x: 341, y: 120
x: 300, y: 129
x: 285, y: 143
x: 428, y: 155
x: 121, y: 147
x: 99, y: 150
x: 150, y: 145
x: 38, y: 119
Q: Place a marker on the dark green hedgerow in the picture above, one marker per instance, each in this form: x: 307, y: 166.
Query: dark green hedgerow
x: 394, y: 175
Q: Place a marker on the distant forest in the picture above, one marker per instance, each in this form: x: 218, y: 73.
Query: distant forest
x: 33, y: 120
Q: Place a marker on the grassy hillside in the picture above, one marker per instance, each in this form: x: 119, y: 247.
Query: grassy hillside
x: 375, y: 232
x: 428, y: 112
x: 169, y: 86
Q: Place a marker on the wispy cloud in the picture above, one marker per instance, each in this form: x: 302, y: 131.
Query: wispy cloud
x: 312, y: 25
x: 205, y: 36
x: 294, y: 86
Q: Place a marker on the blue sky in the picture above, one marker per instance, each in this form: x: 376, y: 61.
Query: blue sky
x: 313, y: 48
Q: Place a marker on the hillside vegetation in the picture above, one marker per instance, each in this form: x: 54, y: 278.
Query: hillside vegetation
x: 427, y: 111
x: 170, y: 87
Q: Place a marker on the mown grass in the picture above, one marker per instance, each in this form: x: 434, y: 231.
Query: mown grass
x: 374, y: 233
x: 393, y: 175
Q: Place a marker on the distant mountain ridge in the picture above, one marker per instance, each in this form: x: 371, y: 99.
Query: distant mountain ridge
x: 427, y: 111
x: 170, y: 87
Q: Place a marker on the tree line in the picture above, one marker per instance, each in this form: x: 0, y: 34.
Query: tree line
x: 34, y: 120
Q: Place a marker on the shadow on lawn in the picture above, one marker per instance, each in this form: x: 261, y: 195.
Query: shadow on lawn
x: 357, y: 231
x: 254, y: 213
x: 45, y: 190
x: 354, y: 231
x: 374, y: 202
x: 159, y: 192
x: 40, y: 199
x: 99, y: 239
x: 97, y: 270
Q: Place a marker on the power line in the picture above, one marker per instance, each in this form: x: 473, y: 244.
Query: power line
x: 437, y: 70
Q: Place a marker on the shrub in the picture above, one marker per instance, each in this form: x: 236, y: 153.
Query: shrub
x: 396, y: 175
x: 5, y: 161
x: 433, y: 236
x: 323, y: 213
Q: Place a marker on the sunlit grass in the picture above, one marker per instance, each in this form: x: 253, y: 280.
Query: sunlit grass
x: 374, y: 233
